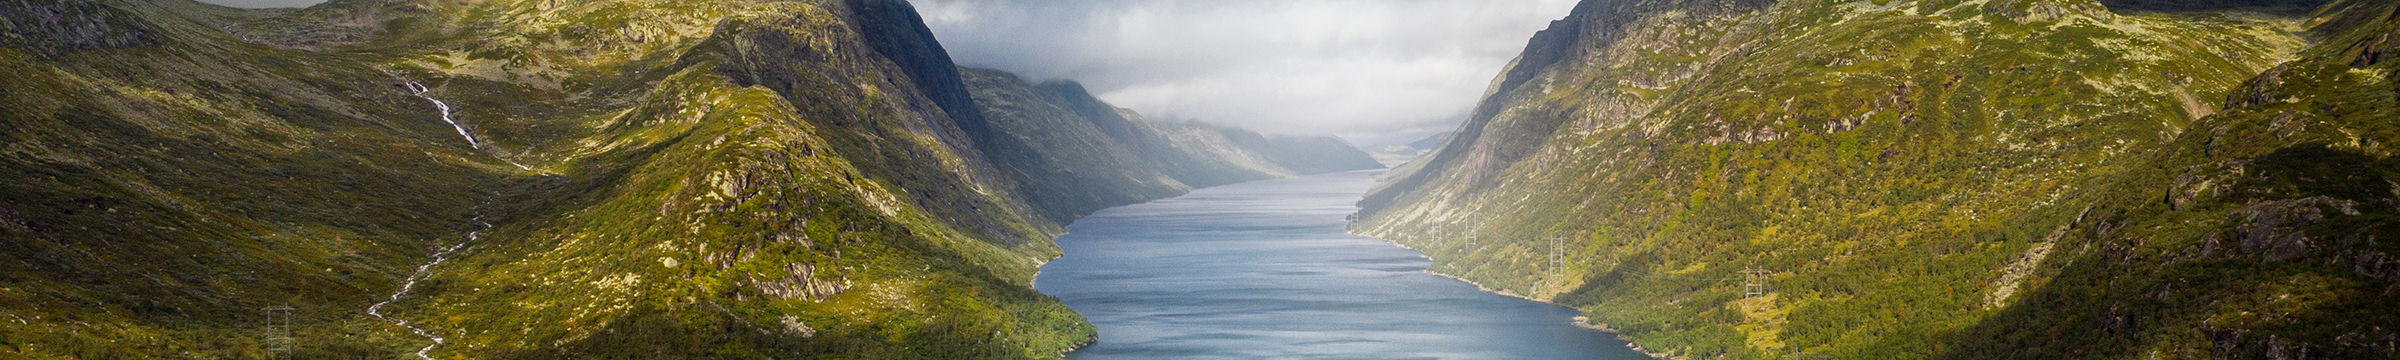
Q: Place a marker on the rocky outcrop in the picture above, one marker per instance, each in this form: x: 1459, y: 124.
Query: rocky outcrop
x: 2237, y: 344
x: 2277, y: 230
x: 2037, y: 11
x: 51, y: 27
x: 2377, y: 51
x: 2208, y: 5
x: 329, y: 25
x: 799, y: 282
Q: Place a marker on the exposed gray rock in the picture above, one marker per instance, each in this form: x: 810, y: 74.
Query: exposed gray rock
x: 52, y: 27
x: 2376, y: 52
x: 2276, y: 230
x: 793, y: 325
x: 801, y: 283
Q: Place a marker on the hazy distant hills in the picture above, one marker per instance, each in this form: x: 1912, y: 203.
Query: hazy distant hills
x: 1397, y: 154
x: 1080, y: 154
x: 718, y: 179
x: 1937, y: 178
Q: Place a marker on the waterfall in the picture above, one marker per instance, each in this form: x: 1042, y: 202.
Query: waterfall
x: 419, y: 89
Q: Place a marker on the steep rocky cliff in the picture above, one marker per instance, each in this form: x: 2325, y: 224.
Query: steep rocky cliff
x: 525, y: 179
x: 1938, y: 178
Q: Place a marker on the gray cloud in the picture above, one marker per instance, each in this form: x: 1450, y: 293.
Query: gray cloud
x: 1373, y: 71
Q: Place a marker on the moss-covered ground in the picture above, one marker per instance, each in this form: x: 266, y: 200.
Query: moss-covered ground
x: 1932, y: 179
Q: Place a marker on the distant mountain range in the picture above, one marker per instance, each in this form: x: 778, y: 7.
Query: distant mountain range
x: 598, y: 179
x: 1397, y: 154
x: 1937, y: 178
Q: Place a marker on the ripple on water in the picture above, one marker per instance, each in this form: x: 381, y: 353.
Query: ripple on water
x: 1265, y: 270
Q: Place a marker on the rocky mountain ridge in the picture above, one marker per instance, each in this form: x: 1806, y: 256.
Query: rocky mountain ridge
x: 1939, y: 178
x: 722, y: 179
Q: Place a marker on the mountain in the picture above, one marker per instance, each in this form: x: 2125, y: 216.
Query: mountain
x: 1108, y: 156
x: 1429, y: 142
x: 1935, y: 178
x: 547, y: 179
x: 1397, y: 154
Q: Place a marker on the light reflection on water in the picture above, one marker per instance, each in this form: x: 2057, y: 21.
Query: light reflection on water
x: 1264, y: 270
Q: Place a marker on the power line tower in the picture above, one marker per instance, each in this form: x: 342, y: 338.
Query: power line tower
x: 279, y: 330
x: 1470, y: 229
x: 1557, y: 258
x: 1754, y: 282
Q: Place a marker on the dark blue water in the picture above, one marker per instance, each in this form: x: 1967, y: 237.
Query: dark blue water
x: 1263, y: 270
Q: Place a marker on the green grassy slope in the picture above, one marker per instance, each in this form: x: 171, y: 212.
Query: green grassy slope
x: 2263, y: 231
x: 1909, y: 175
x: 164, y: 182
x: 775, y: 187
x: 720, y: 179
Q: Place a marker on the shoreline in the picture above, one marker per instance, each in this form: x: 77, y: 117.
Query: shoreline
x: 1478, y: 286
x: 1037, y: 279
x: 1579, y: 320
x: 1033, y: 283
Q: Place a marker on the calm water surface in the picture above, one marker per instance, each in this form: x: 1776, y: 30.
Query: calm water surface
x: 1263, y: 270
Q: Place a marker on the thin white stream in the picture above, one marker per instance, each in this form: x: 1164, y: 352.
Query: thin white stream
x: 419, y: 89
x: 422, y: 271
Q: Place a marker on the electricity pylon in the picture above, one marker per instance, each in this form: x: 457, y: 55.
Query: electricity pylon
x: 279, y: 330
x: 1754, y: 282
x: 1557, y: 258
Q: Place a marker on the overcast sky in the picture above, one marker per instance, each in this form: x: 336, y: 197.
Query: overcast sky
x: 1372, y: 71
